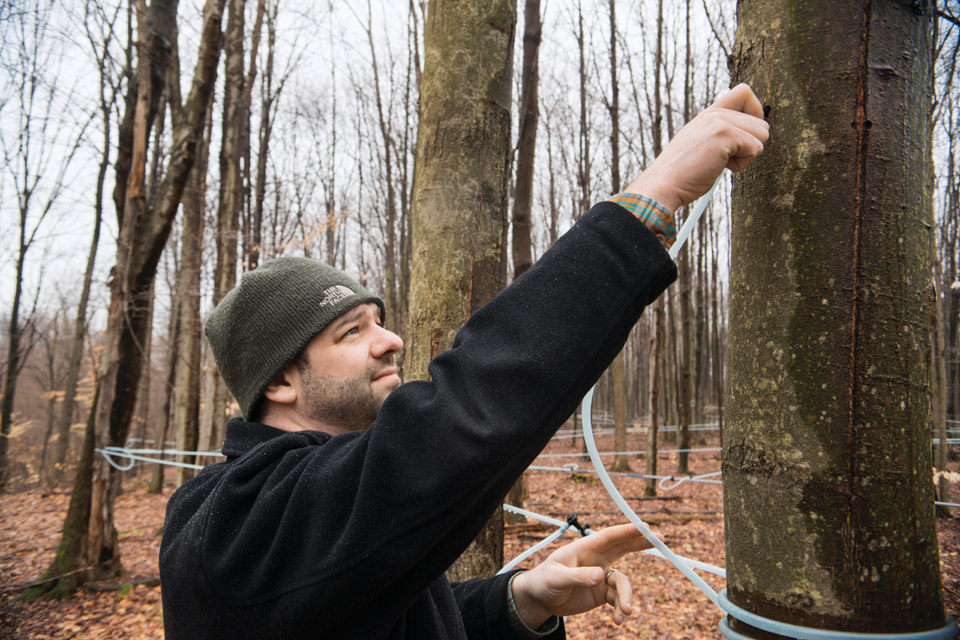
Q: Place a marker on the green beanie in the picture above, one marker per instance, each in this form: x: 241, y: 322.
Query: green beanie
x: 264, y: 322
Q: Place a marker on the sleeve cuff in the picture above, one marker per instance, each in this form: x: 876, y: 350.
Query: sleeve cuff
x: 547, y: 628
x: 653, y: 214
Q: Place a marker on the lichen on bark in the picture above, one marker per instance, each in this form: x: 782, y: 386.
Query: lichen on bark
x: 827, y: 454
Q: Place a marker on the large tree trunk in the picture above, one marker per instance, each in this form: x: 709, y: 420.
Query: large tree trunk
x: 459, y: 202
x: 827, y: 482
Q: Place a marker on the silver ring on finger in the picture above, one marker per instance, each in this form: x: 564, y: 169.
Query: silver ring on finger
x: 609, y: 573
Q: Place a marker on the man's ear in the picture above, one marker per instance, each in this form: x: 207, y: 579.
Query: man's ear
x: 280, y: 390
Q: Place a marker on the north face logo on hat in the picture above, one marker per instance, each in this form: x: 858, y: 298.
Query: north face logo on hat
x: 335, y: 294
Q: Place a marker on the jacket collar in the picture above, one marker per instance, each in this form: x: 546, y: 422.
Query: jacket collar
x: 243, y: 436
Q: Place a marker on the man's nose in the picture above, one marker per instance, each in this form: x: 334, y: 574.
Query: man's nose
x: 386, y: 342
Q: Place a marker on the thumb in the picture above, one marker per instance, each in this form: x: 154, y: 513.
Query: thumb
x: 741, y: 98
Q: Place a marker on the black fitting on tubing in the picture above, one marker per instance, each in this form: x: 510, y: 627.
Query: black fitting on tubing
x: 573, y: 522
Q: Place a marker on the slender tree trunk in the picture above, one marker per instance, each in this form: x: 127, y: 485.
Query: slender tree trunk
x: 389, y: 224
x: 142, y: 413
x: 827, y: 481
x: 656, y: 348
x: 460, y: 199
x: 656, y: 341
x: 529, y: 117
x: 267, y: 112
x: 73, y: 541
x: 246, y: 100
x: 186, y: 412
x: 685, y: 390
x: 50, y: 359
x: 172, y: 366
x: 80, y: 325
x: 618, y: 377
x: 583, y: 157
x: 13, y: 354
x: 715, y: 302
x: 213, y: 426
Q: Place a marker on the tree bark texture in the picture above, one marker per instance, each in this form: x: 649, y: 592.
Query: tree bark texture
x: 459, y: 205
x: 827, y: 482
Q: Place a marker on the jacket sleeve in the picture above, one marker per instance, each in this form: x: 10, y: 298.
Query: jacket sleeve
x: 366, y: 521
x: 485, y: 610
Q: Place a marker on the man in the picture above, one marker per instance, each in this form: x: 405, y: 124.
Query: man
x: 339, y: 518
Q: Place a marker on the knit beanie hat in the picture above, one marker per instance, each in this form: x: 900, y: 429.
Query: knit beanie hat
x: 264, y: 322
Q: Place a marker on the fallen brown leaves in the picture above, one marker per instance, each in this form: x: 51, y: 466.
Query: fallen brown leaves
x: 30, y: 524
x: 666, y: 605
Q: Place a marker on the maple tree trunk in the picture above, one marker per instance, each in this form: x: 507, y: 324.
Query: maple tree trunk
x: 826, y: 463
x: 459, y: 205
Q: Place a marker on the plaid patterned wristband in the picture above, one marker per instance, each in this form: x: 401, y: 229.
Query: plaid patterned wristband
x: 652, y: 213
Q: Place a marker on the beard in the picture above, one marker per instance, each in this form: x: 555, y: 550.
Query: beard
x: 349, y: 403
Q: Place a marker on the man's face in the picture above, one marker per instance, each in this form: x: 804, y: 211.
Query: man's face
x: 350, y: 370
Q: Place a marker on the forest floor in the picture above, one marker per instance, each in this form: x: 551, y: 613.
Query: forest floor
x: 666, y: 605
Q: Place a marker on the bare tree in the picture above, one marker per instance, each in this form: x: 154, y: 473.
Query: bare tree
x: 35, y: 163
x: 99, y: 29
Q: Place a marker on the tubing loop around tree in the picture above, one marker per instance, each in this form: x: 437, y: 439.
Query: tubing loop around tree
x: 947, y: 631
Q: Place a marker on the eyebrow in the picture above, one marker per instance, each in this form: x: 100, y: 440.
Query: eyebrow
x: 350, y: 316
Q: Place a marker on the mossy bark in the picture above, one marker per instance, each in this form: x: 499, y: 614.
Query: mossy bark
x: 459, y: 202
x: 826, y: 462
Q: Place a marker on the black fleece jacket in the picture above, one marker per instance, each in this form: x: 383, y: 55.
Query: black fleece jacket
x: 305, y: 535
